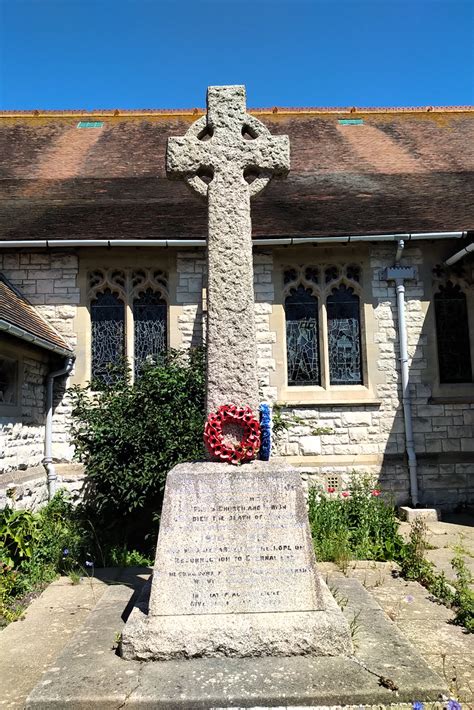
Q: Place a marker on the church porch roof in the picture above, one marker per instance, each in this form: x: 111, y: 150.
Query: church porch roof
x: 20, y: 319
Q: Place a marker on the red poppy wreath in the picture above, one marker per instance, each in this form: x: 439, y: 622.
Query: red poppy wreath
x: 214, y: 433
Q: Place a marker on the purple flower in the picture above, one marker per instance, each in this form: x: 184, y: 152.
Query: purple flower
x: 65, y: 552
x: 416, y: 705
x: 453, y: 705
x: 89, y: 563
x: 410, y: 598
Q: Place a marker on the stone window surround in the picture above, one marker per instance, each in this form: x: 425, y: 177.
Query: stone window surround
x: 443, y: 392
x: 326, y: 393
x: 126, y: 259
x: 11, y: 352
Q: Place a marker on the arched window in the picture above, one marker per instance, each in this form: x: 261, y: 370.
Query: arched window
x: 343, y: 314
x: 302, y: 337
x: 452, y: 335
x: 108, y: 335
x: 149, y: 323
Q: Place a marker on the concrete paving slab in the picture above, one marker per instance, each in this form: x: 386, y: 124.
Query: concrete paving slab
x: 433, y: 637
x: 89, y: 674
x: 52, y: 618
x: 442, y: 558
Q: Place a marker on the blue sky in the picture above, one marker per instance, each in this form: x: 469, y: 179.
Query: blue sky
x: 162, y: 53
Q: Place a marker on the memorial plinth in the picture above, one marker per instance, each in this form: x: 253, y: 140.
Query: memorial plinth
x: 235, y: 573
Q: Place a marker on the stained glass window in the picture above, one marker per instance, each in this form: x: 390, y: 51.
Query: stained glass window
x: 302, y: 338
x: 108, y: 335
x: 149, y: 318
x: 452, y: 334
x: 344, y: 344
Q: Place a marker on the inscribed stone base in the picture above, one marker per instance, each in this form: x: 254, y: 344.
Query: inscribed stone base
x: 235, y: 573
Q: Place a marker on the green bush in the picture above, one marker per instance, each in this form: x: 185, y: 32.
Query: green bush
x: 355, y: 524
x: 130, y: 435
x: 18, y: 532
x: 32, y: 550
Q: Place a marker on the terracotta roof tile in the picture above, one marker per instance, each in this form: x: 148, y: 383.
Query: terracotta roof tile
x: 17, y: 311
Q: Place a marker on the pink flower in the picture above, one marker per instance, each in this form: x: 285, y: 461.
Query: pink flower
x: 375, y: 492
x: 345, y: 494
x: 331, y: 490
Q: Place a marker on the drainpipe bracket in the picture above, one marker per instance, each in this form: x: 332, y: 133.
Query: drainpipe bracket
x: 394, y: 273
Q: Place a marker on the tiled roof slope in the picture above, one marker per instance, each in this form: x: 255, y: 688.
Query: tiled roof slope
x: 17, y: 311
x: 400, y: 171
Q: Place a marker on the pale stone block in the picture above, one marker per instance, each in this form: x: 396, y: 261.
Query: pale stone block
x: 467, y: 444
x: 266, y: 337
x: 263, y: 308
x: 40, y: 259
x: 186, y: 266
x: 11, y: 261
x: 310, y: 445
x: 462, y: 432
x: 356, y: 418
x: 412, y: 514
x: 358, y: 433
x: 51, y: 274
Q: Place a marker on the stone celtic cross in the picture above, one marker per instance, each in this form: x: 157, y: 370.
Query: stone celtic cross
x: 228, y: 157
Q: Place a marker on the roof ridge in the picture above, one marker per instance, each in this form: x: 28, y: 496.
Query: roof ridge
x: 261, y: 110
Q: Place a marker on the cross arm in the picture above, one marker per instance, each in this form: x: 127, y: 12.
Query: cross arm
x: 270, y: 154
x: 184, y: 157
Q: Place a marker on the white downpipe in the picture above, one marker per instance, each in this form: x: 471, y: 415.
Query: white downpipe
x: 406, y: 399
x: 400, y: 248
x: 48, y: 433
x: 459, y: 255
x: 190, y: 243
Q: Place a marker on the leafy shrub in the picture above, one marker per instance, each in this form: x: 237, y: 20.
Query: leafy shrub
x: 463, y: 601
x: 130, y: 435
x: 354, y: 524
x: 459, y: 596
x: 18, y: 532
x: 36, y: 547
x: 32, y: 549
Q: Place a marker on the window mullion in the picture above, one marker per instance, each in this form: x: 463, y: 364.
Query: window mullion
x: 129, y: 337
x: 324, y: 343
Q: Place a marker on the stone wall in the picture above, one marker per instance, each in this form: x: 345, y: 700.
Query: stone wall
x: 191, y: 274
x: 22, y: 440
x: 28, y: 490
x: 331, y: 441
x: 49, y: 281
x: 266, y: 337
x: 443, y: 431
x: 327, y: 439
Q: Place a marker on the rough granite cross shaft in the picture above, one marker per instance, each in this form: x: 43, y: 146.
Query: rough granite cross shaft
x: 228, y: 156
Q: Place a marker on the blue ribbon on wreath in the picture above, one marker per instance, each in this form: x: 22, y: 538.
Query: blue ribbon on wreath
x: 265, y: 432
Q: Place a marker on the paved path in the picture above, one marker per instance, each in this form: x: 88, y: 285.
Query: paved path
x: 449, y: 539
x: 29, y: 646
x: 446, y: 648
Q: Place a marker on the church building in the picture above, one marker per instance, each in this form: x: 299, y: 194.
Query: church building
x: 363, y: 279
